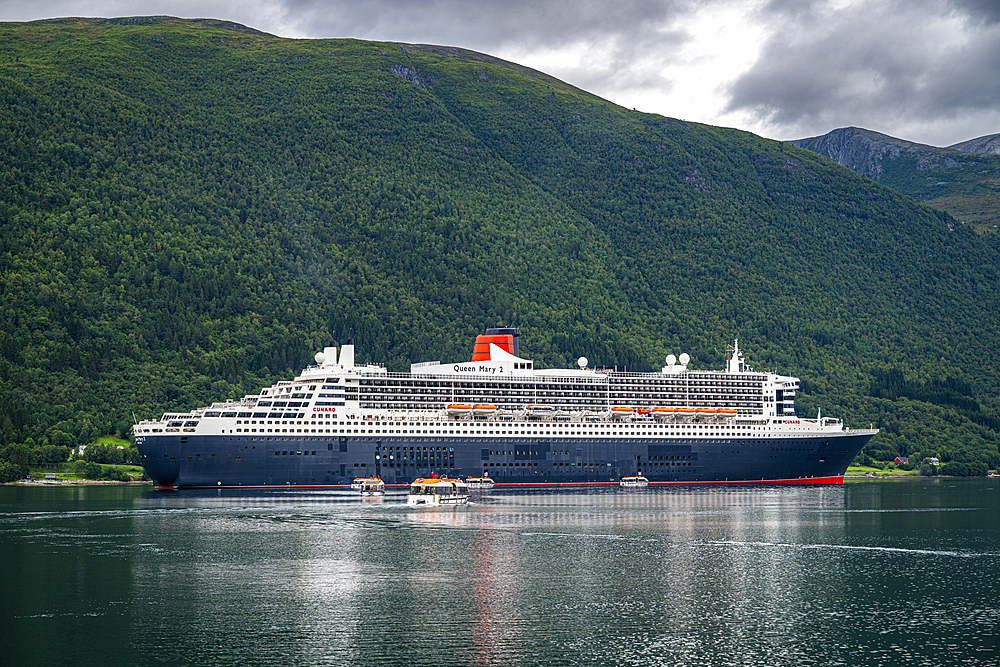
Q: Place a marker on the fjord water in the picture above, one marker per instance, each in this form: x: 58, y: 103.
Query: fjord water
x: 876, y: 573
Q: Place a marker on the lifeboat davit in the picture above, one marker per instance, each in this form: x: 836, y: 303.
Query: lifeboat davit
x: 541, y: 410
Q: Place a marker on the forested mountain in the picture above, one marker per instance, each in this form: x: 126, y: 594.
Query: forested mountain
x: 962, y: 180
x: 191, y: 208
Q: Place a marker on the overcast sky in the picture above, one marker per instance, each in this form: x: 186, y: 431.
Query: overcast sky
x: 923, y: 70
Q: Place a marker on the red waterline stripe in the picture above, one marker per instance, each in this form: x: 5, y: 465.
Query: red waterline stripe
x: 804, y: 480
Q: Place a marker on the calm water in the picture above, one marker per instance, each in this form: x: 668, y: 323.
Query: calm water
x: 885, y: 573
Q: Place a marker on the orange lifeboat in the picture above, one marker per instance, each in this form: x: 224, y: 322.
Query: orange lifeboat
x: 662, y: 413
x: 621, y: 412
x: 459, y: 409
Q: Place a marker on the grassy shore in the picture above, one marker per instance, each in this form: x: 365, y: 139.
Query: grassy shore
x: 857, y: 473
x: 67, y: 473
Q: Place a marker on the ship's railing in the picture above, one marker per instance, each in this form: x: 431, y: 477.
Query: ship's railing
x: 599, y: 376
x: 559, y: 415
x: 476, y: 377
x: 749, y: 376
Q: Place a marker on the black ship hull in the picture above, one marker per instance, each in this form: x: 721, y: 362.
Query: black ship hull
x: 245, y: 461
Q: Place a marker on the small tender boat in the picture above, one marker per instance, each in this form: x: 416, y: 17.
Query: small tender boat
x: 369, y: 486
x: 621, y: 412
x: 633, y: 481
x: 438, y: 491
x: 479, y: 482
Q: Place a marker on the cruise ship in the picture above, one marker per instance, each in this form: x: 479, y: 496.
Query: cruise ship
x: 498, y: 416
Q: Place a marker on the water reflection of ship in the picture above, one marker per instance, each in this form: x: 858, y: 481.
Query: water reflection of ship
x: 497, y: 592
x: 610, y: 509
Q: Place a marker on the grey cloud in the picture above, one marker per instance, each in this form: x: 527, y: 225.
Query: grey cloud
x: 886, y: 61
x: 987, y: 11
x: 538, y: 23
x: 621, y: 43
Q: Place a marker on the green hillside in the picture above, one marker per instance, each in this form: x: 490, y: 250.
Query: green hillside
x: 192, y: 208
x: 961, y: 180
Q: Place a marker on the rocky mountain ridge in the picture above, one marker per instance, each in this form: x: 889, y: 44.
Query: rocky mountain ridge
x: 962, y: 179
x: 988, y: 144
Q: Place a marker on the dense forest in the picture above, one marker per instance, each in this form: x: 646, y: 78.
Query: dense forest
x: 191, y: 208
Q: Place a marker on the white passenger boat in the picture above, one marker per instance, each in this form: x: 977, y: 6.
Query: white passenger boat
x: 633, y: 481
x: 369, y: 486
x: 438, y: 491
x: 479, y: 482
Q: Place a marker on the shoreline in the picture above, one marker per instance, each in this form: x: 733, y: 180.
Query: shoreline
x: 89, y: 482
x: 66, y: 482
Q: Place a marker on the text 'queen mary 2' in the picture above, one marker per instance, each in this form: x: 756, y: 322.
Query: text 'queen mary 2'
x: 500, y: 416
